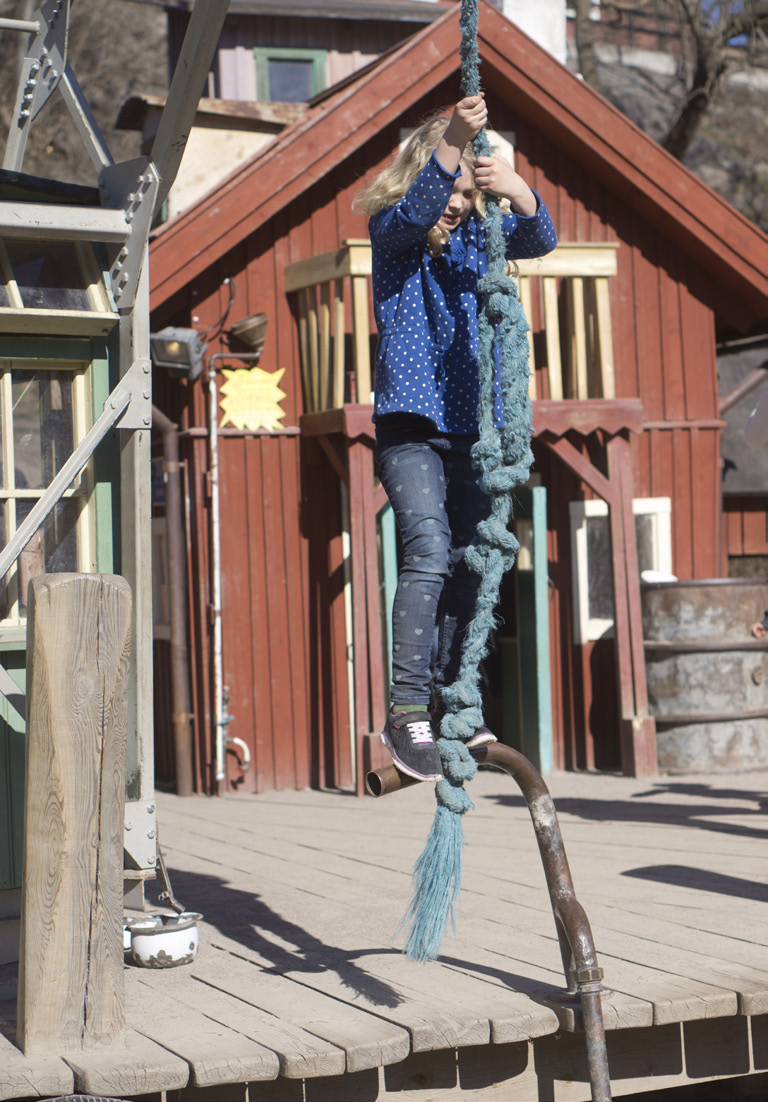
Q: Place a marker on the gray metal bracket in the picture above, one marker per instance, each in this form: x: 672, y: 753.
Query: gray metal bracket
x: 130, y: 186
x: 140, y: 835
x: 138, y: 382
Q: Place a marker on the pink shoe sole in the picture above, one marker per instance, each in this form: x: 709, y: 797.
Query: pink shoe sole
x: 483, y: 737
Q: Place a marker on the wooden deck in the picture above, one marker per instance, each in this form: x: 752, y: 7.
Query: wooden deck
x: 301, y: 992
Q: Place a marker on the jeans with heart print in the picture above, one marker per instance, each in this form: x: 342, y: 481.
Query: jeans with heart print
x: 433, y: 488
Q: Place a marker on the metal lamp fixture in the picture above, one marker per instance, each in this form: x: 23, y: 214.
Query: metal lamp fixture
x: 178, y: 350
x: 250, y: 333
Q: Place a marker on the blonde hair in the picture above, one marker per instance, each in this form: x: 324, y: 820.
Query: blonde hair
x: 389, y: 186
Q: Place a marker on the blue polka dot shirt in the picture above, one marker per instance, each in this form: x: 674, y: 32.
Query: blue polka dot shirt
x: 426, y: 308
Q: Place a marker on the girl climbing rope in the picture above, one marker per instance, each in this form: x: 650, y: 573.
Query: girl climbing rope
x: 428, y: 253
x: 453, y: 427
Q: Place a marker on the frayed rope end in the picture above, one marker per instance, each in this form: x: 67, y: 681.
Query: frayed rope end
x: 437, y: 883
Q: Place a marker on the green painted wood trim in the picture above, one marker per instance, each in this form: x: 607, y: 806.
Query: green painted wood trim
x: 18, y: 347
x: 541, y: 606
x: 263, y: 54
x: 11, y: 776
x: 390, y: 571
x: 106, y: 459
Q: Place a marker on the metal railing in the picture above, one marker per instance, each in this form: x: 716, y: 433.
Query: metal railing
x: 583, y: 975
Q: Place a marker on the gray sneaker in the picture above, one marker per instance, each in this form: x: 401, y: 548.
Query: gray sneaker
x: 411, y: 741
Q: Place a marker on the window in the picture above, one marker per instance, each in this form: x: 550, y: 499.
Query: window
x: 287, y: 75
x: 44, y: 413
x: 591, y: 558
x: 52, y: 286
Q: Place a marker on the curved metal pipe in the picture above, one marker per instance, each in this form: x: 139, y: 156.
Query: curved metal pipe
x: 577, y: 947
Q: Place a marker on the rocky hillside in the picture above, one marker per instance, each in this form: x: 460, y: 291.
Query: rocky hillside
x: 730, y: 153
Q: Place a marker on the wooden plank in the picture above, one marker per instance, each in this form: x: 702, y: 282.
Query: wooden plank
x: 578, y: 463
x: 329, y: 266
x: 620, y: 461
x: 367, y: 1039
x: 360, y: 339
x: 605, y: 338
x: 312, y: 342
x: 296, y: 574
x: 339, y: 334
x: 579, y: 384
x: 641, y: 938
x: 552, y: 333
x: 246, y: 649
x: 493, y: 1000
x: 624, y: 674
x: 138, y: 1067
x: 216, y: 1053
x: 345, y: 922
x: 301, y: 1055
x: 648, y: 361
x: 280, y: 628
x: 683, y: 533
x: 571, y: 258
x: 71, y: 991
x: 527, y: 305
x: 705, y: 502
x: 377, y: 688
x: 324, y: 337
x: 36, y: 1076
x: 574, y: 258
x: 306, y: 371
x: 671, y: 335
x: 356, y: 470
x: 699, y: 351
x: 571, y: 415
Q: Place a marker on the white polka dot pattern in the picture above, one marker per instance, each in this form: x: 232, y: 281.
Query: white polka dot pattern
x: 426, y: 308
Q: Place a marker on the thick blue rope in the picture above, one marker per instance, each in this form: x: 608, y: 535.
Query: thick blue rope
x: 503, y: 458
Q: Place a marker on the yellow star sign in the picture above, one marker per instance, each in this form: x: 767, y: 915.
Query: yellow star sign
x: 252, y: 398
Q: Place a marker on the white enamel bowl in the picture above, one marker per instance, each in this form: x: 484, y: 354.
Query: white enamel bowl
x: 164, y: 941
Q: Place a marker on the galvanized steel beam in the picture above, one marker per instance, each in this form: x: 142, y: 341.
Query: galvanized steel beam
x: 51, y: 222
x: 189, y: 77
x: 41, y: 72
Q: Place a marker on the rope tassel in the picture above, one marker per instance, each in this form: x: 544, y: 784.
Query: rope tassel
x: 503, y: 457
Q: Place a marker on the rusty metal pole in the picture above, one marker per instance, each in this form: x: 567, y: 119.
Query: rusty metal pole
x: 180, y: 695
x: 582, y: 974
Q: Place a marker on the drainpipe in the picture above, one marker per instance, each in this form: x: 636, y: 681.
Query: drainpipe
x: 180, y: 693
x: 221, y: 720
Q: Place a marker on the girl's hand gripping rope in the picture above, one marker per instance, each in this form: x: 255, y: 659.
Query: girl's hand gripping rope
x: 467, y: 120
x: 495, y: 175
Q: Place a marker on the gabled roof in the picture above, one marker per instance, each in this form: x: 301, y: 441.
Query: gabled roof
x: 568, y: 112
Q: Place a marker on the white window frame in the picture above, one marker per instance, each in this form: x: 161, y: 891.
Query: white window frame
x: 587, y: 628
x: 82, y: 485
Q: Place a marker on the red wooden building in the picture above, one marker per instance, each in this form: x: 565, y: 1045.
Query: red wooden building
x: 626, y: 404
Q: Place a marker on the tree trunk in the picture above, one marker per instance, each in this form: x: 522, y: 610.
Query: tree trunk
x: 585, y: 43
x: 710, y: 67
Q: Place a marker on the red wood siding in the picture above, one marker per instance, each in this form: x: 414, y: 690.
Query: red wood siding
x: 745, y: 525
x: 284, y: 638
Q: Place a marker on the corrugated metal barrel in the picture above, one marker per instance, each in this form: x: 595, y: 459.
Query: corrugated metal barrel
x: 707, y: 676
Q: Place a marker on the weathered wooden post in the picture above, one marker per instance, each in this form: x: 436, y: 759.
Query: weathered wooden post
x: 71, y: 986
